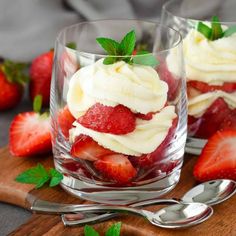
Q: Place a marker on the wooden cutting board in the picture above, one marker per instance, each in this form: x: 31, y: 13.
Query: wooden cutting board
x: 222, y: 223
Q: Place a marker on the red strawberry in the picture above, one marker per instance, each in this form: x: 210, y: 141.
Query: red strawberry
x: 116, y: 167
x: 169, y: 78
x: 12, y: 79
x: 211, y: 120
x: 106, y: 119
x: 229, y: 121
x: 204, y: 87
x: 30, y: 134
x: 40, y: 76
x: 218, y: 157
x: 192, y: 92
x: 147, y: 116
x: 147, y: 160
x: 86, y: 148
x: 65, y: 120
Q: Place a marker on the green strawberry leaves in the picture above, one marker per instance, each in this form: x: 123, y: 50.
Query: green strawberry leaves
x: 39, y: 176
x: 15, y: 72
x: 114, y: 230
x: 37, y: 103
x: 215, y: 31
x: 123, y: 51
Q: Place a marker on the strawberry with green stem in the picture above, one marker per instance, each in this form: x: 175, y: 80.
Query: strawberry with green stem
x: 12, y: 81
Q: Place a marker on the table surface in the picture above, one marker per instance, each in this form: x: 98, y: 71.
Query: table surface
x: 11, y: 216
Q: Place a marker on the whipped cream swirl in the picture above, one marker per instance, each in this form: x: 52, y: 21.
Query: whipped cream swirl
x: 137, y: 87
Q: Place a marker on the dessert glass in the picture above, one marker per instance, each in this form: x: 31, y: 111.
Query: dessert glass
x: 118, y: 130
x: 210, y: 67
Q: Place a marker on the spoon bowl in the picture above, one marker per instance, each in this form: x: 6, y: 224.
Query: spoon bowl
x: 182, y: 215
x: 211, y: 192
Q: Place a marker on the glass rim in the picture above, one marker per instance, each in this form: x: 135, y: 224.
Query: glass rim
x: 177, y: 42
x: 164, y: 7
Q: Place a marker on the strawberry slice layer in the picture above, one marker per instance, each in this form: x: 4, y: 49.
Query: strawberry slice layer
x: 204, y: 87
x: 106, y: 119
x: 116, y: 167
x: 86, y: 148
x: 218, y: 157
x: 30, y: 134
x: 210, y: 121
x: 65, y: 120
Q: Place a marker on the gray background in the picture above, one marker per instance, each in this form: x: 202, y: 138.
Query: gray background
x: 29, y: 27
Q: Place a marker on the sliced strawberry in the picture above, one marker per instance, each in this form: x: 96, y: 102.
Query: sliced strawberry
x: 204, y: 87
x: 65, y: 120
x: 147, y: 116
x: 76, y: 167
x: 229, y: 121
x: 218, y: 157
x: 147, y: 160
x: 106, y: 119
x: 211, y: 120
x: 30, y: 134
x: 192, y: 92
x: 86, y: 148
x: 116, y: 167
x: 173, y: 82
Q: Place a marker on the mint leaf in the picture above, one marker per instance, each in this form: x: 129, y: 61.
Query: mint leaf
x: 109, y: 45
x: 39, y: 176
x: 231, y: 30
x: 109, y: 60
x: 204, y: 29
x: 90, y: 231
x: 37, y: 104
x: 128, y: 43
x: 36, y: 175
x: 56, y: 177
x: 145, y: 58
x: 216, y: 29
x: 114, y: 230
x: 71, y: 45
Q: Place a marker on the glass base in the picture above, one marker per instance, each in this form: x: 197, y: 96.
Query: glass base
x: 194, y: 145
x: 120, y: 196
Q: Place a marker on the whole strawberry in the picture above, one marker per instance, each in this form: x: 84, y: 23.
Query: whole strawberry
x: 40, y: 76
x: 12, y: 79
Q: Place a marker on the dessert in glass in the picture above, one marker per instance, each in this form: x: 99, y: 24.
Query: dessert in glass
x: 209, y: 49
x: 119, y: 118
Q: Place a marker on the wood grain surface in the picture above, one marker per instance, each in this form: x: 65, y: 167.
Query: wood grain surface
x: 222, y: 223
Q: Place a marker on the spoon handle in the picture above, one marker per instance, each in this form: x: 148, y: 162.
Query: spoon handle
x: 75, y: 219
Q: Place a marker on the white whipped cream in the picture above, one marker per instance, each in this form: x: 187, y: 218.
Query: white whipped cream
x: 199, y: 104
x: 212, y: 62
x: 137, y: 87
x: 146, y: 137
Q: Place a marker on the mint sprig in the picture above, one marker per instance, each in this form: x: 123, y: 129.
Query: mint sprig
x: 39, y: 176
x: 114, y: 230
x: 123, y: 51
x: 215, y: 31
